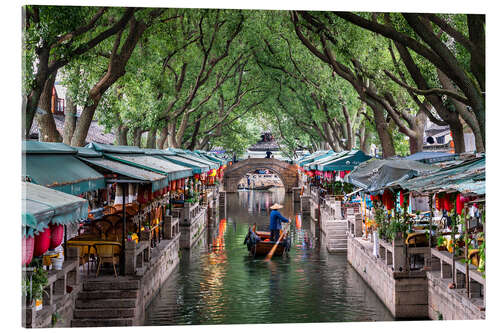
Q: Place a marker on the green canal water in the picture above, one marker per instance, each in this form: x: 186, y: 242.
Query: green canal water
x: 217, y: 282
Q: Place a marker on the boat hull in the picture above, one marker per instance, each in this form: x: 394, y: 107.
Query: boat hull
x: 262, y: 246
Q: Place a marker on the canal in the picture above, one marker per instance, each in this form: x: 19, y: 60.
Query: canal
x: 217, y: 282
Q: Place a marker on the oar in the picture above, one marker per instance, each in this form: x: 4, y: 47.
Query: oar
x: 271, y: 253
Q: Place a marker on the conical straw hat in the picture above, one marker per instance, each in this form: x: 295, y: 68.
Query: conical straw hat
x: 276, y: 206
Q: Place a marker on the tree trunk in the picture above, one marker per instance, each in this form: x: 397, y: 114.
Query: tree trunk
x: 160, y: 141
x: 386, y: 140
x: 69, y: 120
x: 170, y: 142
x: 137, y: 136
x: 418, y: 126
x: 46, y: 122
x: 457, y: 131
x: 151, y: 140
x: 122, y: 135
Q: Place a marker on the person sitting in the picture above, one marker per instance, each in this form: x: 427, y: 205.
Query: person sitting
x: 275, y: 219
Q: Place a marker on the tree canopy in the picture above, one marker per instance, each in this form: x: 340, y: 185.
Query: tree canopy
x: 202, y: 78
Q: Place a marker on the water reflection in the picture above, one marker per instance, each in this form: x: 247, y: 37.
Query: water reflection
x: 219, y: 283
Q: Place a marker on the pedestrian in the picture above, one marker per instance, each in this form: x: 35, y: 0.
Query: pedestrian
x: 268, y: 154
x: 275, y: 220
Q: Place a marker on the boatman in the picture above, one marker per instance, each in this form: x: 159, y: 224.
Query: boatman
x: 275, y: 221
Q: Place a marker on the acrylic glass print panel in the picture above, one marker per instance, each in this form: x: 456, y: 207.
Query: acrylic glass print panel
x: 224, y: 166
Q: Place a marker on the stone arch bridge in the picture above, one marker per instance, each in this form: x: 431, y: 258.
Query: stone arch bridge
x: 286, y: 172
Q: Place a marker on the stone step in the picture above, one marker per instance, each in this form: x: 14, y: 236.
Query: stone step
x: 102, y: 322
x: 108, y: 285
x: 104, y: 313
x: 105, y: 303
x: 108, y: 294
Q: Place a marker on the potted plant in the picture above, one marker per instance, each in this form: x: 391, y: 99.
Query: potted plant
x: 34, y: 290
x: 441, y: 243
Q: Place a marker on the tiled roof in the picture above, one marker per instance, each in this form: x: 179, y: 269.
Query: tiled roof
x: 95, y: 133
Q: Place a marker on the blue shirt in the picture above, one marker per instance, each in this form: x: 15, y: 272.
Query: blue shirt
x: 275, y: 220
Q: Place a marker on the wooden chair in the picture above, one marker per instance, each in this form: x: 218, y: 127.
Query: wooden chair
x: 104, y: 226
x: 107, y: 253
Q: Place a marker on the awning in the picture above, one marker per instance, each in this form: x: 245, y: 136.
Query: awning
x: 195, y: 166
x: 104, y: 148
x: 42, y: 206
x: 315, y: 156
x: 56, y: 166
x: 375, y: 174
x: 467, y: 177
x: 324, y: 159
x: 431, y: 157
x: 158, y: 181
x: 153, y: 163
x: 344, y: 162
x: 192, y: 156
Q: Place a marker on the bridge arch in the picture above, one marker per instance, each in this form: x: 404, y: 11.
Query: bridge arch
x: 286, y: 172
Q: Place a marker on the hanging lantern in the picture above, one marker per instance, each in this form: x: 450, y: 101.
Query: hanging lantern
x: 28, y: 245
x: 460, y: 203
x: 438, y: 203
x: 56, y: 235
x: 196, y: 176
x: 342, y: 174
x: 388, y: 200
x: 401, y: 199
x: 42, y: 242
x: 447, y: 202
x: 183, y: 182
x: 173, y: 185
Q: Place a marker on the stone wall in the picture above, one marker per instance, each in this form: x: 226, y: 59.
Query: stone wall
x: 164, y: 259
x: 286, y: 171
x: 449, y: 304
x: 404, y: 293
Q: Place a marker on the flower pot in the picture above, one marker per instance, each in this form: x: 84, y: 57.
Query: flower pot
x: 38, y: 304
x: 57, y: 263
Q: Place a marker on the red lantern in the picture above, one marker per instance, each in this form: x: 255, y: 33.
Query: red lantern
x: 401, y: 199
x: 173, y: 185
x: 388, y: 199
x: 56, y: 235
x: 196, y: 176
x: 447, y: 202
x: 42, y: 242
x: 28, y: 248
x: 460, y: 202
x: 342, y: 174
x: 438, y: 203
x: 179, y: 184
x: 183, y: 182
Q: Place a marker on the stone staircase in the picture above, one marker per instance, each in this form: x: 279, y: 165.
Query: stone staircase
x: 336, y: 235
x: 106, y: 303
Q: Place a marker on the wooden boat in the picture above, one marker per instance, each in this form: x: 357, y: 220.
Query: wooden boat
x: 263, y: 187
x: 259, y: 243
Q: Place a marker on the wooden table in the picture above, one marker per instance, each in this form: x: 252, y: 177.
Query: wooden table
x: 90, y: 243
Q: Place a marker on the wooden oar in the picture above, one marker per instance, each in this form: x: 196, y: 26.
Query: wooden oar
x: 271, y: 253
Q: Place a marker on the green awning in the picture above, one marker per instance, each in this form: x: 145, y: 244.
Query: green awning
x: 62, y: 172
x: 323, y: 159
x: 211, y: 157
x: 157, y: 180
x: 192, y: 156
x: 42, y: 206
x: 343, y: 162
x: 153, y: 163
x: 195, y: 166
x: 104, y: 148
x: 315, y: 156
x: 36, y: 147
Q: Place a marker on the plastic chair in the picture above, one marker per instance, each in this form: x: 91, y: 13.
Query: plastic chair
x: 107, y: 253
